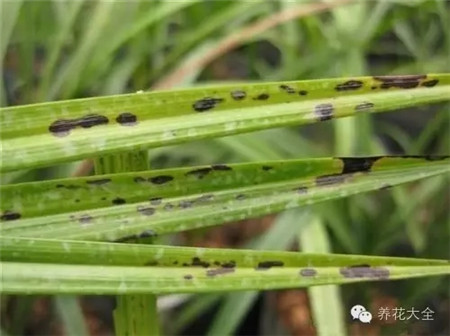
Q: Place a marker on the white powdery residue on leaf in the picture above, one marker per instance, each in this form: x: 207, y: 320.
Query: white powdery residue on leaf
x: 159, y: 254
x: 167, y: 135
x: 66, y: 246
x: 192, y: 132
x: 122, y: 287
x: 230, y: 126
x: 199, y: 252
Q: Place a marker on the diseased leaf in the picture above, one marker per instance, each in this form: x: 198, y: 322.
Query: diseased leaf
x: 130, y: 205
x: 44, y: 134
x: 46, y: 266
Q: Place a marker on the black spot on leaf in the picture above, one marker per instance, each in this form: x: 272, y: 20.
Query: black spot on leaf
x: 206, y: 104
x: 118, y: 201
x: 188, y: 277
x: 91, y: 120
x: 262, y: 96
x: 198, y: 262
x: 127, y: 119
x: 229, y: 264
x: 430, y: 83
x: 200, y: 173
x: 220, y: 167
x: 147, y: 234
x: 264, y: 265
x: 10, y: 215
x: 61, y: 127
x: 287, y: 88
x: 302, y: 92
x: 99, y: 181
x: 266, y: 168
x: 161, y: 179
x: 355, y: 164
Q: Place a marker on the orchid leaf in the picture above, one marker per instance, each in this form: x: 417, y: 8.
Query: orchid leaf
x: 49, y: 133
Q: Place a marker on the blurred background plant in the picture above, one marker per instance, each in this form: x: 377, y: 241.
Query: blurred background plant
x: 55, y: 50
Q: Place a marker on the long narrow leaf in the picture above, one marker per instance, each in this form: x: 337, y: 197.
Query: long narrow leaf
x: 157, y: 202
x: 182, y: 269
x: 48, y: 133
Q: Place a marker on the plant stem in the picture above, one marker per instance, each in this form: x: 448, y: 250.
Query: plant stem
x: 135, y: 315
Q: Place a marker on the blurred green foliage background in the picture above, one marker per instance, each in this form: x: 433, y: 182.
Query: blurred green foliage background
x: 55, y: 50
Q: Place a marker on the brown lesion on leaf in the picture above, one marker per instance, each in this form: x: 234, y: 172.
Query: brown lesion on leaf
x: 168, y: 206
x: 401, y: 82
x: 349, y: 85
x: 205, y: 198
x: 219, y: 271
x: 308, y: 272
x: 241, y: 197
x: 238, y: 94
x: 85, y: 219
x: 184, y: 204
x: 145, y: 210
x: 326, y: 180
x: 155, y: 200
x: 301, y: 190
x: 324, y: 111
x: 364, y: 106
x: 365, y: 271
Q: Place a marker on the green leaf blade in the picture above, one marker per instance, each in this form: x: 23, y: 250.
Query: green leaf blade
x: 49, y: 133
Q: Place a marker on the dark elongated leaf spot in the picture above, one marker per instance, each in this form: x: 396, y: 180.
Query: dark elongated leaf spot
x: 365, y: 272
x: 10, y: 215
x: 161, y: 179
x: 264, y: 265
